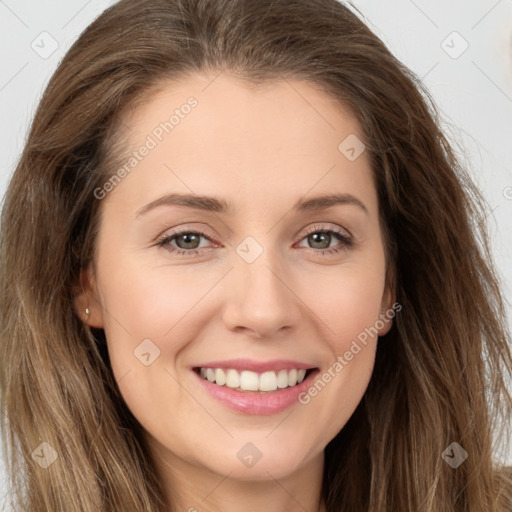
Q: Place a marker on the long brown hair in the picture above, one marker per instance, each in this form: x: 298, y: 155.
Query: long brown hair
x: 440, y: 373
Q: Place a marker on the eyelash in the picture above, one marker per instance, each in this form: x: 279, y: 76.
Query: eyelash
x: 346, y: 241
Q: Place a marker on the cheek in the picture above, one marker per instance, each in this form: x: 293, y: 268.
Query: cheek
x: 347, y: 301
x: 146, y: 312
x: 170, y: 305
x: 150, y: 316
x: 349, y: 309
x: 150, y: 303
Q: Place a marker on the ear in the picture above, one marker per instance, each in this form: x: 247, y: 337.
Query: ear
x: 86, y: 299
x: 388, y: 304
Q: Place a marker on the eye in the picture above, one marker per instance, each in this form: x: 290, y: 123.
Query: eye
x: 187, y: 241
x: 318, y: 235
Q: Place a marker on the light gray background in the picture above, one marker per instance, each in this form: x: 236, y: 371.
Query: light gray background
x: 472, y: 87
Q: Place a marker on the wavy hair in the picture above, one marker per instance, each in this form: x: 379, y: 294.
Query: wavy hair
x: 440, y: 374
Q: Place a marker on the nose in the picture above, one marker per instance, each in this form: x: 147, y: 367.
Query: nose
x: 260, y: 300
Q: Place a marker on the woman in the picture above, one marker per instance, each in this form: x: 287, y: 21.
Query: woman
x: 172, y: 337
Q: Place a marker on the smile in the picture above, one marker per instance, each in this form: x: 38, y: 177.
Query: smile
x: 255, y: 388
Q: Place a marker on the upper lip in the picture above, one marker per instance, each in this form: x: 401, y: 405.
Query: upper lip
x: 256, y: 366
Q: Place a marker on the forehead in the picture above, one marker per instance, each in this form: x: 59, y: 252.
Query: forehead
x: 218, y: 134
x: 225, y: 100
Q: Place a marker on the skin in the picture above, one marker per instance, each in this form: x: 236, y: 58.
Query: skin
x: 261, y: 149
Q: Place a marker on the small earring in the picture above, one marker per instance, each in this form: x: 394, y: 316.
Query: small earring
x: 87, y: 312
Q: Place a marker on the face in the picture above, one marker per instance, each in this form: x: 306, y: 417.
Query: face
x: 252, y: 283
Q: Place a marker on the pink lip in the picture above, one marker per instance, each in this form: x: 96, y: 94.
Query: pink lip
x: 257, y: 402
x: 257, y: 366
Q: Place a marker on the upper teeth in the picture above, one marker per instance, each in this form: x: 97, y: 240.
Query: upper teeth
x: 252, y: 381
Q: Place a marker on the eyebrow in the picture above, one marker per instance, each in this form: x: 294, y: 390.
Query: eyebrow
x: 217, y: 205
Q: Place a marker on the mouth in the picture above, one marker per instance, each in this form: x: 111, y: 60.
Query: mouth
x: 258, y: 391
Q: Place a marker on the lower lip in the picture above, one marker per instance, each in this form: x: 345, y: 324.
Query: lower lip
x: 254, y: 402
